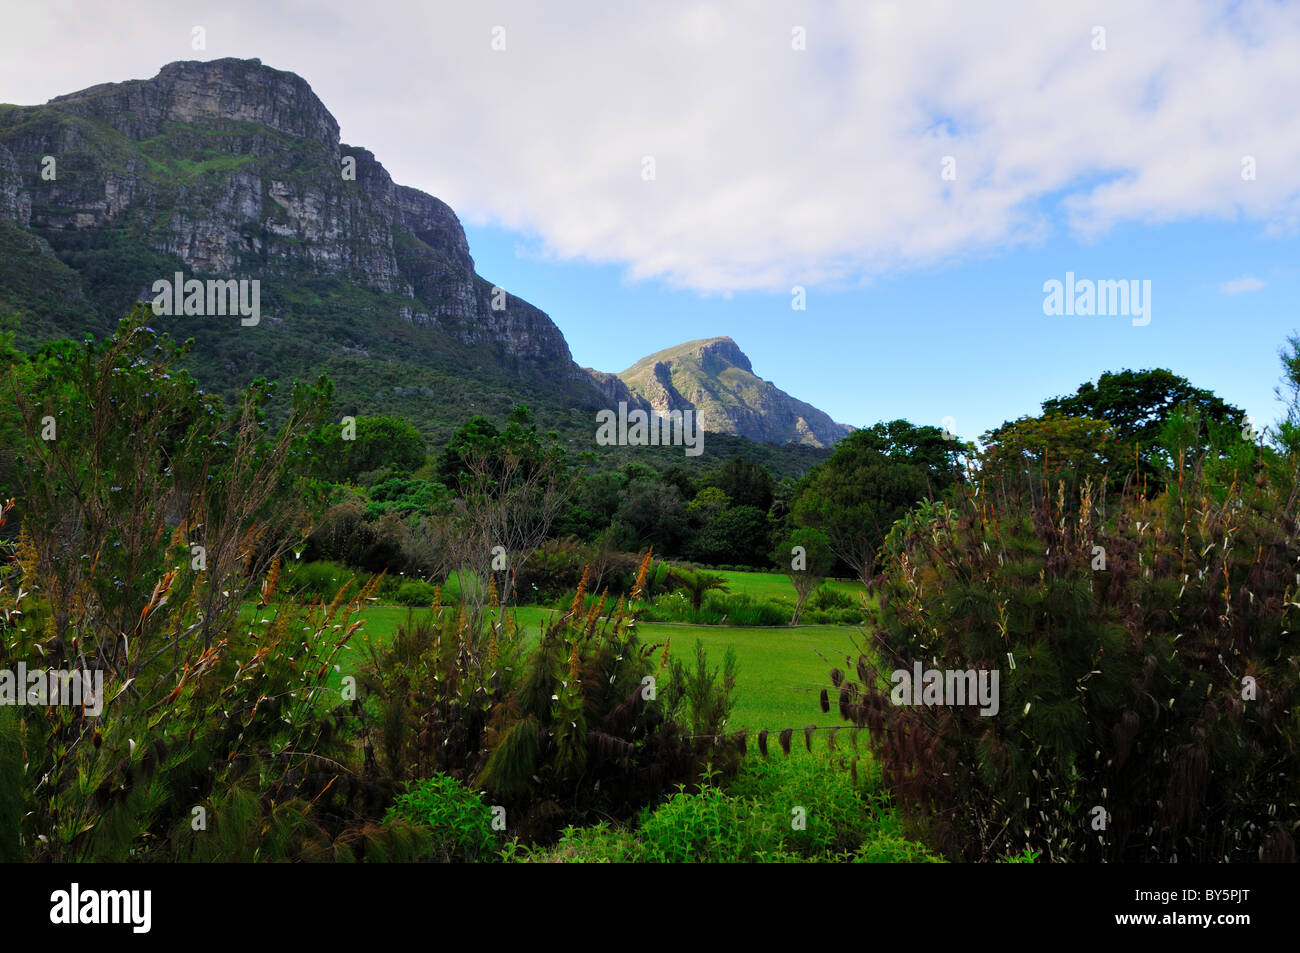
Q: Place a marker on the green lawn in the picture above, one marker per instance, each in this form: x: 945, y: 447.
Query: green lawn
x: 776, y: 587
x: 780, y: 671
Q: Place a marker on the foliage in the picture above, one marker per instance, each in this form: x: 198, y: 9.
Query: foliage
x: 1138, y: 403
x: 1146, y: 665
x: 745, y: 483
x: 378, y: 443
x: 415, y: 592
x: 738, y: 534
x: 1033, y: 454
x: 696, y: 584
x: 557, y: 734
x: 806, y: 557
x: 857, y: 495
x: 699, y: 696
x: 459, y: 821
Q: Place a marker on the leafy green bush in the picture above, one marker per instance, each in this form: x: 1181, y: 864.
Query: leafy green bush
x: 407, y: 497
x: 745, y: 611
x: 739, y: 609
x: 828, y: 597
x: 460, y: 822
x: 710, y: 826
x: 415, y: 592
x: 318, y: 580
x: 599, y: 843
x: 850, y: 616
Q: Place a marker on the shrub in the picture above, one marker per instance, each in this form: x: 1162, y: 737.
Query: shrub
x: 415, y: 592
x: 710, y: 826
x: 738, y: 610
x: 557, y: 735
x: 600, y: 843
x: 828, y: 597
x: 1145, y: 659
x: 318, y: 580
x: 461, y: 824
x: 745, y: 611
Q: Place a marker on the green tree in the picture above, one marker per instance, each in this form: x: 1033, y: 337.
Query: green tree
x: 924, y: 446
x: 655, y: 514
x: 737, y: 535
x: 805, y: 556
x: 1137, y: 404
x: 708, y: 503
x: 856, y: 495
x: 697, y: 584
x: 746, y: 483
x: 376, y: 444
x: 1037, y: 453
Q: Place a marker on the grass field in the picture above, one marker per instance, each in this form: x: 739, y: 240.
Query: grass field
x: 776, y: 587
x: 780, y: 671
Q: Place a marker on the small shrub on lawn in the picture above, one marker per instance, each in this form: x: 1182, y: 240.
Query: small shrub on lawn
x: 309, y: 581
x: 414, y: 592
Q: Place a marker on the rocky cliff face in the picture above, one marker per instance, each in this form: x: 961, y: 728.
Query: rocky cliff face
x: 235, y: 169
x: 716, y: 380
x: 230, y: 169
x: 15, y: 203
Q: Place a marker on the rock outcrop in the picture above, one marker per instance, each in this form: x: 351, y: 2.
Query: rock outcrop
x: 716, y: 380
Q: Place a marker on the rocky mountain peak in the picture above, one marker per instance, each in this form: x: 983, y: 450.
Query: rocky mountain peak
x: 714, y: 378
x: 228, y: 90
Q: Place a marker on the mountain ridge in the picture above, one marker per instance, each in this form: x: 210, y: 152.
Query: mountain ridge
x: 231, y: 168
x: 716, y: 379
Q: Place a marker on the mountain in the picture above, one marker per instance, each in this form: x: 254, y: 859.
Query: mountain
x: 229, y: 170
x: 715, y: 379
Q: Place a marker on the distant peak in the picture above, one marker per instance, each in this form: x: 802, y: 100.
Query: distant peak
x: 715, y: 352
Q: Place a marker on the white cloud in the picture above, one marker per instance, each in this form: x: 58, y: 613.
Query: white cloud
x: 1240, y: 285
x: 774, y: 166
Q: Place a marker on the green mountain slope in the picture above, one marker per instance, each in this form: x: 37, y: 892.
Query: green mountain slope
x: 714, y: 378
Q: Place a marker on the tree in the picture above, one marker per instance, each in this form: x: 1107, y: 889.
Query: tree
x: 698, y: 584
x: 806, y: 557
x: 746, y: 483
x: 924, y: 446
x: 476, y: 438
x: 738, y: 535
x: 1036, y: 453
x: 511, y: 486
x: 708, y: 503
x: 655, y: 514
x: 856, y: 495
x: 1288, y: 429
x: 378, y: 443
x: 1137, y: 404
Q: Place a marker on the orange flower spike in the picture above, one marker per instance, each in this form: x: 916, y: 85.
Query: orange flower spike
x: 581, y: 593
x: 642, y: 571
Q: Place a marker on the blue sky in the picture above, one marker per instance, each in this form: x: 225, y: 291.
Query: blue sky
x: 967, y: 340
